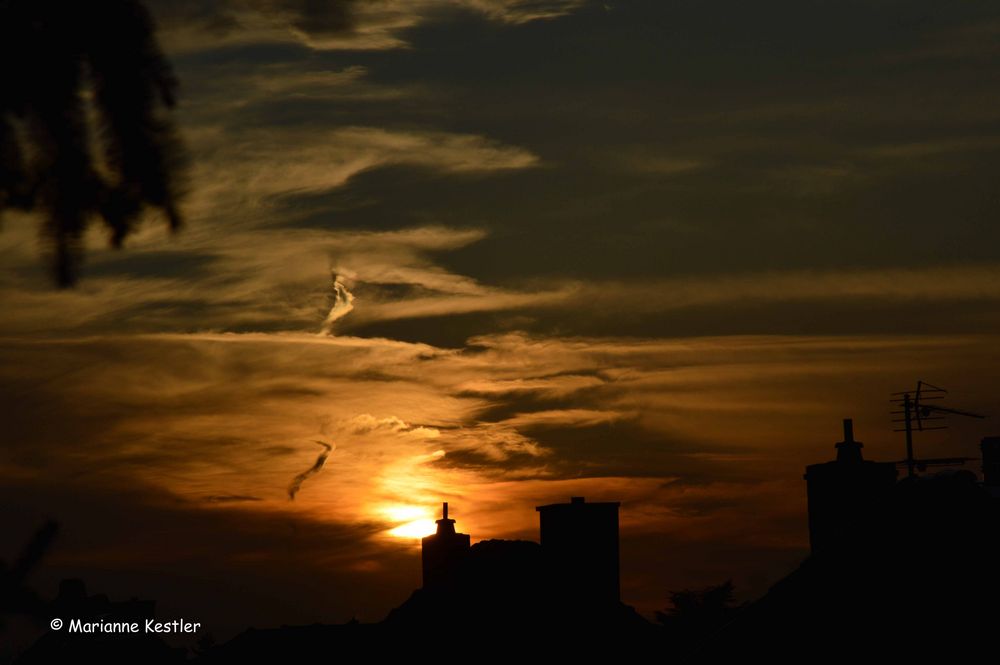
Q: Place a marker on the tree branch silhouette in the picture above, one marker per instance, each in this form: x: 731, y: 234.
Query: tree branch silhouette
x: 85, y: 130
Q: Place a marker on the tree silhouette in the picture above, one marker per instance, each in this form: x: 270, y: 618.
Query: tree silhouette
x: 695, y: 614
x: 84, y: 126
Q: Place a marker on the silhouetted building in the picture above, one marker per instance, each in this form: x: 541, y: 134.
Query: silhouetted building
x: 843, y: 492
x: 560, y: 595
x: 990, y: 447
x: 580, y: 547
x: 579, y: 554
x: 913, y: 581
x: 557, y: 601
x: 443, y: 552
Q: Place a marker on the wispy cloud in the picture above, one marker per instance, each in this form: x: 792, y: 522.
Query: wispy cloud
x: 333, y: 25
x: 260, y: 164
x: 317, y: 466
x: 932, y: 283
x: 343, y: 304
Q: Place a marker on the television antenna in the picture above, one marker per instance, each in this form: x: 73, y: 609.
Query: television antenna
x: 919, y: 408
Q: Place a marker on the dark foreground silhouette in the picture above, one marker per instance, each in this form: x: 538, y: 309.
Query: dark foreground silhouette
x: 499, y: 606
x: 900, y: 571
x: 906, y: 570
x: 510, y: 598
x: 63, y: 646
x: 917, y: 580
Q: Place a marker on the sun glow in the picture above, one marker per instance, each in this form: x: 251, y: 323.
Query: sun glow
x: 406, y: 513
x: 414, y: 529
x: 417, y: 521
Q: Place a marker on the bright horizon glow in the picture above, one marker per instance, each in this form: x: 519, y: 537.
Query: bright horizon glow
x: 399, y: 513
x: 414, y: 529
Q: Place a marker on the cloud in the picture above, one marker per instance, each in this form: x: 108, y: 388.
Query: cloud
x: 317, y: 466
x: 343, y: 304
x: 560, y: 385
x: 924, y: 284
x: 565, y: 418
x: 258, y: 165
x: 366, y: 423
x: 647, y: 160
x: 487, y: 300
x: 333, y: 25
x: 231, y: 498
x: 240, y: 89
x: 524, y: 11
x: 934, y: 148
x: 486, y: 444
x: 397, y: 400
x: 262, y: 280
x: 279, y: 280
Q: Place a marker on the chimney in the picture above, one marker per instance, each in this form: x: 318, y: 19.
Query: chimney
x: 580, y: 547
x: 843, y: 492
x: 442, y: 553
x: 849, y: 450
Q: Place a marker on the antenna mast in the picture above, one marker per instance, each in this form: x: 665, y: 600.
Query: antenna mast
x: 917, y: 410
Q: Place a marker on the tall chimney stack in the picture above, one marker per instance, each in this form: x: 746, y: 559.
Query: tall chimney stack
x: 849, y: 450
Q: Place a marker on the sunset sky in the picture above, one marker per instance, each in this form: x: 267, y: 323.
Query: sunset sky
x: 498, y: 253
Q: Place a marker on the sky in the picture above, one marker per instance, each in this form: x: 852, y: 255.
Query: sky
x: 500, y: 253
